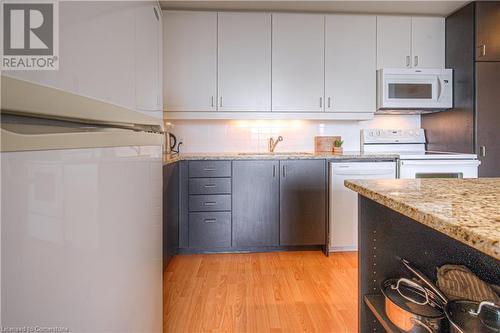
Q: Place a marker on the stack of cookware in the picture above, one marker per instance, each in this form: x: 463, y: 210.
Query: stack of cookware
x: 419, y: 306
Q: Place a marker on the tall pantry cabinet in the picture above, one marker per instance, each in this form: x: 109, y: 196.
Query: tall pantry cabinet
x: 473, y: 52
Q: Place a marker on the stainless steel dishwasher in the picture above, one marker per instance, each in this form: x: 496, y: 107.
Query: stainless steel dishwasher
x: 344, y: 202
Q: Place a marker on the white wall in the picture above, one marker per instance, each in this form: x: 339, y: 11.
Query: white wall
x: 253, y: 135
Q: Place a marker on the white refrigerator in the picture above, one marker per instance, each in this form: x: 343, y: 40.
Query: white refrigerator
x: 81, y: 213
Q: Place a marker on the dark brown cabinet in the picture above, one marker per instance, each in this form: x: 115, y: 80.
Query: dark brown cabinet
x: 488, y: 31
x: 488, y: 117
x: 303, y: 189
x: 473, y: 52
x: 255, y: 203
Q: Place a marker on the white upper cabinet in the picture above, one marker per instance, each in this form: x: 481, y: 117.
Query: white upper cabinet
x: 350, y: 53
x: 411, y: 42
x: 147, y: 58
x: 393, y: 41
x: 428, y: 42
x: 244, y: 62
x: 190, y: 61
x: 298, y: 63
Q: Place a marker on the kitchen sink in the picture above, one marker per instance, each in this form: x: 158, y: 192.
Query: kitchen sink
x: 281, y: 153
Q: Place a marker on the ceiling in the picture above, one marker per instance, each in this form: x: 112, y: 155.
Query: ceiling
x: 438, y: 8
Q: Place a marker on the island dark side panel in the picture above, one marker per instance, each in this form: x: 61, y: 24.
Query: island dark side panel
x: 386, y: 236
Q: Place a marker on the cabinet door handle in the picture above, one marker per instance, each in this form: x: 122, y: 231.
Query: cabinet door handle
x: 284, y: 171
x: 220, y: 103
x: 483, y: 50
x: 415, y: 61
x: 210, y: 186
x: 482, y: 151
x: 321, y: 102
x: 274, y: 171
x: 210, y: 203
x: 329, y: 104
x: 212, y: 103
x: 210, y: 220
x: 407, y: 61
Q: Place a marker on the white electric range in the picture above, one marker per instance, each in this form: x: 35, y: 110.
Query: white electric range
x: 414, y: 160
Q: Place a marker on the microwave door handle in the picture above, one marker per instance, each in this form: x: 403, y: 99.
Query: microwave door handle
x: 439, y: 90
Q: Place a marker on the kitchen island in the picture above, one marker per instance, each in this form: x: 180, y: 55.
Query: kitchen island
x: 430, y: 222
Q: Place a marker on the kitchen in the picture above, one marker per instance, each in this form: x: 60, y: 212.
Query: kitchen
x: 202, y: 165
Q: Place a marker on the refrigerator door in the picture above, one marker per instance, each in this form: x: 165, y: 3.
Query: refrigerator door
x: 25, y: 133
x: 81, y: 234
x: 52, y: 103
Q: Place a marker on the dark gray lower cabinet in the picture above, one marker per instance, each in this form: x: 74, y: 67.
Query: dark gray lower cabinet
x: 170, y: 211
x: 255, y: 203
x: 303, y: 188
x: 209, y: 230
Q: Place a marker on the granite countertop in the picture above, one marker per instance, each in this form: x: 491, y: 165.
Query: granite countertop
x: 467, y: 210
x: 172, y: 158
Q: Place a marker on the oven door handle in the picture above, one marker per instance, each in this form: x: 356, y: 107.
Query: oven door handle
x: 442, y: 162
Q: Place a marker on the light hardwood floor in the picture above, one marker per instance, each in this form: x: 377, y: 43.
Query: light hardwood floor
x: 261, y: 292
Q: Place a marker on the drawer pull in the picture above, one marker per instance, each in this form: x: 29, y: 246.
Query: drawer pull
x: 210, y: 186
x: 208, y: 169
x: 210, y: 203
x: 210, y: 220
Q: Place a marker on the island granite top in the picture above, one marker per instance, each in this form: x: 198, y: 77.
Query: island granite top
x: 467, y: 210
x: 347, y: 155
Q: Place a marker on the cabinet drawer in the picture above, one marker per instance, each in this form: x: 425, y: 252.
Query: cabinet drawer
x: 210, y: 169
x: 209, y: 230
x: 210, y: 186
x: 209, y: 203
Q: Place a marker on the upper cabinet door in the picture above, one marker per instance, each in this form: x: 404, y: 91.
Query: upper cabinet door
x: 393, y: 41
x: 147, y: 58
x: 244, y: 62
x: 190, y: 61
x: 298, y: 62
x: 488, y: 31
x: 350, y: 63
x: 428, y: 42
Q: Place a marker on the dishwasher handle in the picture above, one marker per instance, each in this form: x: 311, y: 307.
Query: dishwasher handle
x: 347, y: 172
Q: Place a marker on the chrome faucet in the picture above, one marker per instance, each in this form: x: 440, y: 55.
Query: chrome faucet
x: 273, y: 144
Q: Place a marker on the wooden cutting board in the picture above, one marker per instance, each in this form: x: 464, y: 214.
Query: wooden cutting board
x: 324, y: 144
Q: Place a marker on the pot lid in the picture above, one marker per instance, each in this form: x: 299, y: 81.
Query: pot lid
x: 431, y: 310
x: 458, y: 313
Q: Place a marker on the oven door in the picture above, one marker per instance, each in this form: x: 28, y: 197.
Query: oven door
x: 411, y: 169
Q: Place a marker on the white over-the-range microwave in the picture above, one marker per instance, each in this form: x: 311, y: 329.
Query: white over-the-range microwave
x: 414, y: 89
